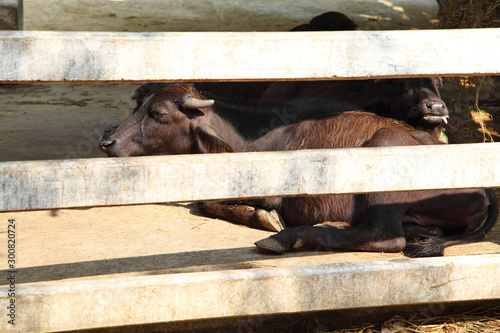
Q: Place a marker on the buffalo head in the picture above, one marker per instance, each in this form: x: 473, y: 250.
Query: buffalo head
x: 174, y: 119
x: 329, y: 21
x: 417, y: 101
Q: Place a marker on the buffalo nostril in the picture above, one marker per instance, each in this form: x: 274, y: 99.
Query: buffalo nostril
x: 105, y: 143
x: 437, y: 106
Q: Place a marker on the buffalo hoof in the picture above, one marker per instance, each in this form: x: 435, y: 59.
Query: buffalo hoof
x: 270, y: 220
x: 282, y: 241
x: 272, y: 244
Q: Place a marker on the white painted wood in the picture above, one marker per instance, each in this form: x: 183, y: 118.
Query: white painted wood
x: 71, y: 305
x: 116, y: 181
x: 89, y: 57
x: 225, y: 15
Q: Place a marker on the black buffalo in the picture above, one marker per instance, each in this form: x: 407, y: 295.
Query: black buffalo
x: 177, y: 120
x: 417, y: 101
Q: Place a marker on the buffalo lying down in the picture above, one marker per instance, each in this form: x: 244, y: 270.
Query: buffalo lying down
x: 417, y: 101
x: 176, y: 120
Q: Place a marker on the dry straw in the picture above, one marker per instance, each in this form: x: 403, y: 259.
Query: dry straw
x: 463, y: 93
x: 464, y: 14
x: 474, y: 321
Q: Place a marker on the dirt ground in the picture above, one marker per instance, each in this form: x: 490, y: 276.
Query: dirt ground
x: 228, y: 15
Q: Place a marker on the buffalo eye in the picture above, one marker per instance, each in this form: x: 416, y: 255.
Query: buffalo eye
x: 157, y: 115
x: 152, y: 113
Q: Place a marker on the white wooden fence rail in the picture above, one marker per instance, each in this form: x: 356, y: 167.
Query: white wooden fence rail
x: 72, y: 305
x: 97, y: 57
x: 152, y: 179
x: 30, y: 56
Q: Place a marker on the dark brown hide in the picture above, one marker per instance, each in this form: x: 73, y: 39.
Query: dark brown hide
x: 416, y: 101
x: 163, y: 125
x: 329, y: 21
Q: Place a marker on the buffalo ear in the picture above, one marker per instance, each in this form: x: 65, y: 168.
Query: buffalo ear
x: 193, y: 113
x: 208, y: 141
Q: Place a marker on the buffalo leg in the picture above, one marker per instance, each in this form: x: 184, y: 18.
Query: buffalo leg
x: 375, y: 228
x: 330, y: 238
x: 243, y: 214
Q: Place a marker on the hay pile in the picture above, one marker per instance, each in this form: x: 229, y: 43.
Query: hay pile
x: 474, y: 321
x: 465, y: 95
x: 464, y: 14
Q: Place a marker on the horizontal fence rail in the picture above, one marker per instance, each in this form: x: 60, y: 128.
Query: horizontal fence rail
x: 116, y: 181
x: 264, y: 291
x: 30, y: 56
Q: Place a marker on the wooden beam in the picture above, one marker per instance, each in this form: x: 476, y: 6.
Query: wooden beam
x: 152, y: 179
x: 89, y: 57
x: 74, y: 305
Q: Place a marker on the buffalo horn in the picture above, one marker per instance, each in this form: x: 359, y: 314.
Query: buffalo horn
x: 194, y: 103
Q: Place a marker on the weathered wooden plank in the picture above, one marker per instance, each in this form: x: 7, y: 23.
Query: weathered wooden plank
x: 83, y: 56
x: 72, y: 305
x: 225, y: 15
x: 116, y: 181
x: 11, y: 14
